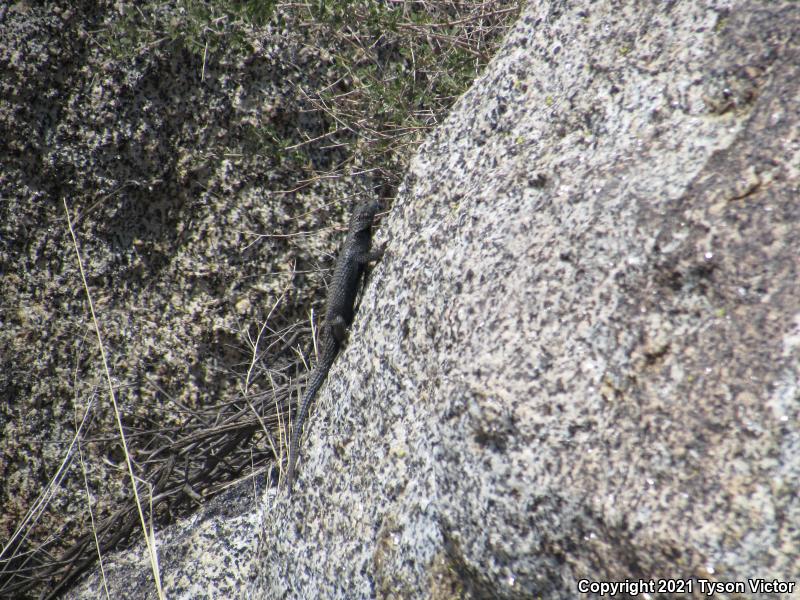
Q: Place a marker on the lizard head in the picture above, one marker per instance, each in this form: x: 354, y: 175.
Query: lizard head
x: 363, y: 214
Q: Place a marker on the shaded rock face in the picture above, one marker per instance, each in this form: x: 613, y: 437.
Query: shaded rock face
x: 579, y: 356
x: 163, y: 158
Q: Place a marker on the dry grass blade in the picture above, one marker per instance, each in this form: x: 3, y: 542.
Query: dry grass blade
x: 128, y: 462
x: 218, y: 446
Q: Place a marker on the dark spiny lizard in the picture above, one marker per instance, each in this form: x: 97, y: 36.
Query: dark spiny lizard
x: 347, y: 274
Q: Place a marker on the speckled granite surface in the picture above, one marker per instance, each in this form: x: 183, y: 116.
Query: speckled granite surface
x: 579, y: 356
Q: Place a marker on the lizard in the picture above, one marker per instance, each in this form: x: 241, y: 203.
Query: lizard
x: 348, y: 273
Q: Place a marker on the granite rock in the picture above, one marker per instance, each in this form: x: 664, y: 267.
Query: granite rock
x: 579, y: 356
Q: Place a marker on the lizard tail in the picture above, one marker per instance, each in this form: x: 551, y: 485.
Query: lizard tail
x: 329, y: 352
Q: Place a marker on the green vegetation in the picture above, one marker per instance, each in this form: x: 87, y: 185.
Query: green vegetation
x: 392, y: 68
